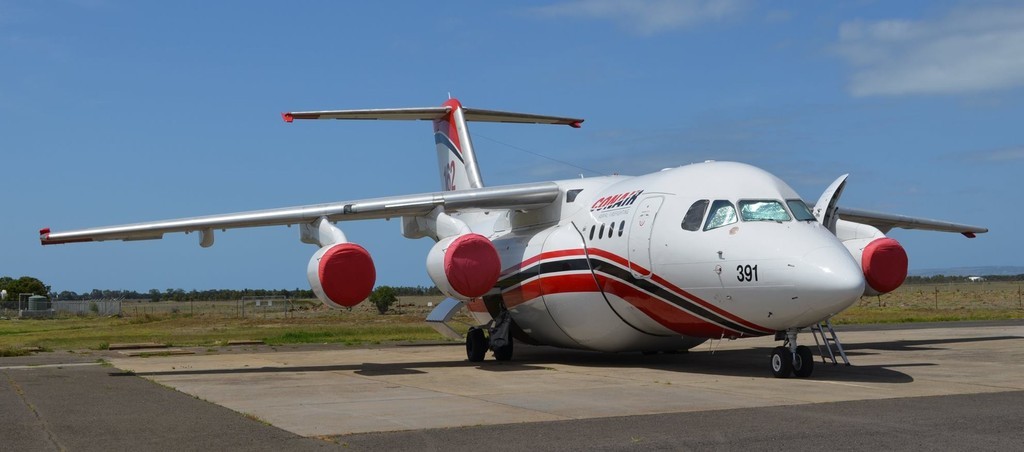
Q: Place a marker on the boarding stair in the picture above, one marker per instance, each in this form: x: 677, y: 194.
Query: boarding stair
x: 828, y: 343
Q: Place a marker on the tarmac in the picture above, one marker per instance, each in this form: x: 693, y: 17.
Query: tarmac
x: 957, y: 385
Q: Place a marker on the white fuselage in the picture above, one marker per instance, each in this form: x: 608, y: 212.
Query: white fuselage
x: 610, y: 267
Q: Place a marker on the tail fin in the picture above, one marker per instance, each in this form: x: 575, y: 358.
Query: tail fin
x: 455, y: 157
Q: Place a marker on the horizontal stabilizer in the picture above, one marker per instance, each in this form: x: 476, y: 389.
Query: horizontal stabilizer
x: 432, y: 113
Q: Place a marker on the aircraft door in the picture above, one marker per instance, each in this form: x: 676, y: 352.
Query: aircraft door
x: 640, y: 231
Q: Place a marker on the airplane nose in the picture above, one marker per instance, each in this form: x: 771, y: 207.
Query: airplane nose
x: 830, y: 279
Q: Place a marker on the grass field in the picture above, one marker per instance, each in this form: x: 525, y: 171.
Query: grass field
x: 306, y: 321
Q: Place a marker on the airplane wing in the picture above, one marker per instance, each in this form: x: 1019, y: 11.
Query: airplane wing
x: 885, y: 222
x: 523, y: 196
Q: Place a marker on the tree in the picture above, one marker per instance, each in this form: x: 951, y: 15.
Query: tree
x: 383, y: 297
x: 25, y: 284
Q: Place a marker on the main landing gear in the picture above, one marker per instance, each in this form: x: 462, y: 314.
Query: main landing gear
x: 499, y: 339
x: 791, y: 359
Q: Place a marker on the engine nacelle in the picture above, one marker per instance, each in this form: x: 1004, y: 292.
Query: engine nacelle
x: 341, y: 275
x: 883, y: 260
x: 464, y: 266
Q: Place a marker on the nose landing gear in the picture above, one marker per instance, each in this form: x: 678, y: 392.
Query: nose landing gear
x: 790, y: 358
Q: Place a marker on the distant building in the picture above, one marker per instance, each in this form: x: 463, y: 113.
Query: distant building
x: 975, y: 278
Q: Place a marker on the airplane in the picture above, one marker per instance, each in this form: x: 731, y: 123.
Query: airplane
x: 655, y: 263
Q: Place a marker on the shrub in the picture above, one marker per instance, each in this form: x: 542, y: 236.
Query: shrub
x: 383, y: 297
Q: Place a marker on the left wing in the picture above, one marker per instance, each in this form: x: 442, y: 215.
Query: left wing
x: 885, y: 222
x: 523, y: 196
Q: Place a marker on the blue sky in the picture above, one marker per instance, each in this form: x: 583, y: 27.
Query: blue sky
x: 116, y: 112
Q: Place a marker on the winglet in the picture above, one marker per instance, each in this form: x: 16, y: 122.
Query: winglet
x: 576, y: 124
x: 969, y: 235
x: 287, y: 117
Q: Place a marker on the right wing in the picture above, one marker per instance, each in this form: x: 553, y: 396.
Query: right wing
x: 886, y: 221
x: 521, y: 197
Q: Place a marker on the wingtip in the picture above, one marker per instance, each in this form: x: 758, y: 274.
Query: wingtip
x: 287, y: 117
x: 969, y: 234
x: 576, y: 124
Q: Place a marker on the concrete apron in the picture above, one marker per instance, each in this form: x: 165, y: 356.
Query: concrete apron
x: 343, y: 391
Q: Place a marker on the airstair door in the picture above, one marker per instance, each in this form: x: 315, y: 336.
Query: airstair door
x: 640, y: 231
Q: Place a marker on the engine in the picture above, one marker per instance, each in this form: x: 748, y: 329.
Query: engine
x: 464, y: 266
x: 341, y: 275
x: 883, y: 260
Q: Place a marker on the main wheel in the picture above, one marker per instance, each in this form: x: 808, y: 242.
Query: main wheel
x: 504, y: 353
x: 782, y: 362
x: 476, y: 345
x: 803, y: 365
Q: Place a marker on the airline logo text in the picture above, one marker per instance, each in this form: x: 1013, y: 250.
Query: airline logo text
x: 615, y: 201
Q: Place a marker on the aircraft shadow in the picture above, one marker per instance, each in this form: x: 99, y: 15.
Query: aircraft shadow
x: 367, y: 369
x: 923, y: 344
x: 752, y: 362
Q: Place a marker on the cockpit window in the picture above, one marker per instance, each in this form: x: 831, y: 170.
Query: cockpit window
x: 763, y: 210
x: 800, y: 210
x: 691, y: 222
x: 722, y: 213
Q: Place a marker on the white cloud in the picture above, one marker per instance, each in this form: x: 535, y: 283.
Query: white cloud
x: 647, y: 17
x: 969, y: 50
x: 997, y: 156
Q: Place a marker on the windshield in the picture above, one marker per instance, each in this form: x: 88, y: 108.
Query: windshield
x: 722, y: 213
x: 763, y: 210
x: 691, y: 222
x: 800, y: 210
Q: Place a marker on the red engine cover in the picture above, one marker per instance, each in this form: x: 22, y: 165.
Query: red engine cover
x: 884, y: 262
x: 472, y: 265
x: 347, y: 274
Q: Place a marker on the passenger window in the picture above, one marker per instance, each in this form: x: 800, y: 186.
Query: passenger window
x: 601, y: 234
x: 693, y: 217
x: 763, y: 210
x: 592, y: 229
x: 800, y: 210
x: 611, y: 229
x: 622, y: 227
x: 722, y: 213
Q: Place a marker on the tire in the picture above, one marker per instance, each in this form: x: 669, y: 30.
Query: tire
x: 782, y: 362
x: 504, y: 353
x: 476, y: 345
x: 803, y: 366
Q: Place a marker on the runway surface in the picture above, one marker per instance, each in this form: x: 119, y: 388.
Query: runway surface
x: 921, y: 388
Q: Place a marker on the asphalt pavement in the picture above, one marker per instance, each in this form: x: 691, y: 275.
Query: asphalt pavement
x: 954, y: 386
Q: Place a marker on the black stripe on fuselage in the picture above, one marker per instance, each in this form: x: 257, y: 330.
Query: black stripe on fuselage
x: 613, y: 270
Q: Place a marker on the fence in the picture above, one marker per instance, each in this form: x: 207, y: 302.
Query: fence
x: 967, y: 295
x: 262, y: 306
x: 84, y: 307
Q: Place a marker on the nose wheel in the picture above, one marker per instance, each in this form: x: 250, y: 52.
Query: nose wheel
x: 790, y: 359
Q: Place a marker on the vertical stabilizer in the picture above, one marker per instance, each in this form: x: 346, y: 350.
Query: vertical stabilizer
x: 455, y: 157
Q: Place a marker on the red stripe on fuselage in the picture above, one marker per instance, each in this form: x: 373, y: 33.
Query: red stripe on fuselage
x: 539, y: 257
x: 535, y: 288
x: 517, y: 295
x: 668, y: 315
x: 678, y: 291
